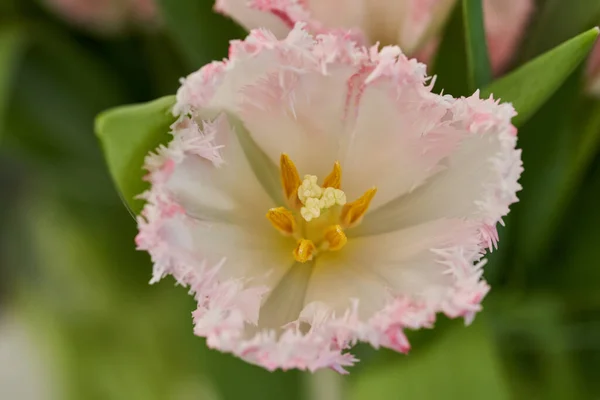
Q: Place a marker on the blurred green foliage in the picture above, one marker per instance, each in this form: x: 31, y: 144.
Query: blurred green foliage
x: 461, y: 363
x: 67, y: 239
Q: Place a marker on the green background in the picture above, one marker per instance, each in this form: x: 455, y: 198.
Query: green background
x: 70, y: 273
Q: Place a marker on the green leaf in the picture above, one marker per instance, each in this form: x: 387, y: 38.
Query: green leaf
x: 531, y: 85
x: 559, y: 144
x: 11, y: 46
x: 547, y: 140
x: 585, y: 149
x: 127, y: 135
x: 477, y: 54
x: 574, y: 245
x: 201, y: 34
x: 588, y: 145
x: 450, y: 63
x: 462, y: 364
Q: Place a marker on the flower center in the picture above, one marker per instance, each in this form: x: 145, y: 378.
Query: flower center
x: 316, y: 215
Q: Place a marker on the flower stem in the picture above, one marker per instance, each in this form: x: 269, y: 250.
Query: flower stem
x: 324, y: 385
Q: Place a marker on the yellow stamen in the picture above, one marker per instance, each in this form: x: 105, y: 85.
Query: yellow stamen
x: 282, y: 219
x: 309, y: 189
x: 314, y: 212
x: 304, y: 251
x: 290, y: 180
x: 334, y: 179
x: 335, y: 237
x: 315, y: 198
x: 331, y: 197
x: 353, y: 212
x: 311, y: 210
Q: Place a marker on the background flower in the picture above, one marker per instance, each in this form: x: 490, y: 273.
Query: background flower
x: 411, y: 24
x: 593, y: 72
x: 107, y: 16
x: 505, y: 22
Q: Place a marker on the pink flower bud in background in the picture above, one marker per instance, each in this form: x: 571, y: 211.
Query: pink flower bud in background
x: 414, y: 25
x: 593, y: 72
x: 406, y: 23
x: 106, y: 16
x: 505, y: 22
